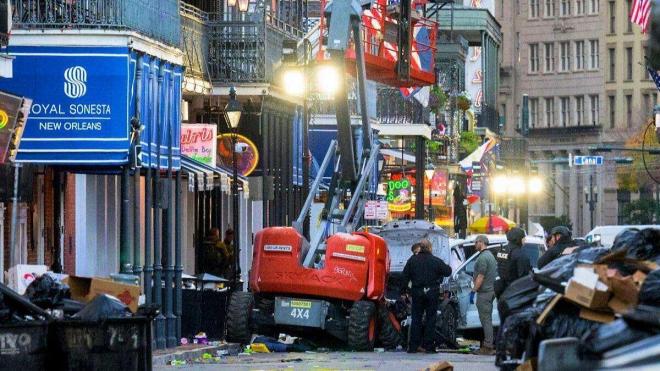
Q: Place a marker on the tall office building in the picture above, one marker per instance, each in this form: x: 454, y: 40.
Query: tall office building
x: 581, y: 64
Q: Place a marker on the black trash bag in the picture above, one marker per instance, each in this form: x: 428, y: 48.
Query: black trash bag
x: 557, y: 271
x: 515, y: 338
x: 610, y: 336
x: 5, y: 311
x: 102, y: 307
x: 649, y: 294
x: 590, y: 255
x: 639, y: 245
x: 520, y: 294
x: 646, y: 317
x: 565, y: 321
x: 47, y: 293
x: 561, y: 269
x: 71, y: 307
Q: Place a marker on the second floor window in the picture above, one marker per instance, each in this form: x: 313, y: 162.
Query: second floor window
x: 565, y: 8
x: 579, y: 55
x: 612, y: 17
x: 612, y: 107
x: 533, y: 112
x: 612, y: 56
x: 629, y: 110
x: 593, y: 54
x: 533, y: 8
x: 565, y: 52
x: 629, y: 64
x: 549, y: 8
x: 579, y: 110
x: 549, y: 112
x: 628, y: 22
x: 579, y: 7
x: 533, y: 57
x: 565, y: 112
x: 595, y: 109
x: 549, y: 57
x: 594, y: 6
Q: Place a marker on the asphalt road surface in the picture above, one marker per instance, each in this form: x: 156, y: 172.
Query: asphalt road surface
x: 395, y: 361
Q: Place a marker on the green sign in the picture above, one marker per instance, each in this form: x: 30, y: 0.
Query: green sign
x: 399, y: 195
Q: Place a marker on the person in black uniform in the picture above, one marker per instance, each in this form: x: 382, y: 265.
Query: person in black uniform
x: 424, y: 272
x: 560, y: 239
x: 518, y: 264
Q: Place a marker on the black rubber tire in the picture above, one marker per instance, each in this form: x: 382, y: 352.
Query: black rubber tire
x: 446, y: 325
x: 239, y: 326
x: 361, y: 326
x: 388, y: 335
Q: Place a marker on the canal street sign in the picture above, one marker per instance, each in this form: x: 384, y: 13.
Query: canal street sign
x: 588, y: 160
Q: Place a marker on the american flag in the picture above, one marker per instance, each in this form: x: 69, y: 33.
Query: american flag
x: 640, y: 13
x: 654, y: 76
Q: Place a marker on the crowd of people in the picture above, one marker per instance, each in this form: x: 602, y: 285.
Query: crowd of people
x: 494, y: 270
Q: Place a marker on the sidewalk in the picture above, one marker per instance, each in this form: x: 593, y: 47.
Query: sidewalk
x: 163, y: 357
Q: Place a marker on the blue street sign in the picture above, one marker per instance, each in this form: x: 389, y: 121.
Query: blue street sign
x: 588, y: 160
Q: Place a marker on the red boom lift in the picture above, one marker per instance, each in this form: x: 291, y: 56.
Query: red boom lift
x: 337, y: 282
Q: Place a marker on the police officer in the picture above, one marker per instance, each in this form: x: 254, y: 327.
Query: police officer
x: 518, y: 264
x: 502, y: 258
x: 425, y: 272
x: 515, y: 266
x: 560, y: 239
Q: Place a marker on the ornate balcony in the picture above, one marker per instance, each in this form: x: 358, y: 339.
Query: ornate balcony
x: 156, y: 19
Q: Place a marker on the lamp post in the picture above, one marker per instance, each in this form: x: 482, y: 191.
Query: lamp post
x: 430, y: 171
x: 591, y: 198
x: 233, y: 111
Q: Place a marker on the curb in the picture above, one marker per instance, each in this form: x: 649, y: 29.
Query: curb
x: 191, y: 354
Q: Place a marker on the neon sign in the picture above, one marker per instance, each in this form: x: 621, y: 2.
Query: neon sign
x: 399, y: 195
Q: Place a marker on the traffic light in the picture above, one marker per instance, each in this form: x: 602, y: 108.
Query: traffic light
x: 14, y: 111
x: 653, y: 51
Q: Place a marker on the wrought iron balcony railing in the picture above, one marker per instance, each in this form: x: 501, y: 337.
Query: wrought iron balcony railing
x: 159, y: 20
x: 195, y: 41
x: 393, y: 108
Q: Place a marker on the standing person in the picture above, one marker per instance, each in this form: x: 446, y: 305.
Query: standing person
x: 485, y: 271
x: 560, y: 239
x: 425, y: 272
x: 518, y: 264
x: 212, y: 261
x: 226, y: 249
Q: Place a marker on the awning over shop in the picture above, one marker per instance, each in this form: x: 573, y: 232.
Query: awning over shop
x: 204, y: 175
x: 398, y: 154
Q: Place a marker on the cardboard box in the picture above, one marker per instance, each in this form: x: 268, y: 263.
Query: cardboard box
x: 586, y: 289
x: 618, y: 306
x: 20, y: 276
x: 528, y: 365
x: 85, y: 289
x: 548, y: 308
x: 596, y: 316
x: 440, y: 366
x: 625, y: 289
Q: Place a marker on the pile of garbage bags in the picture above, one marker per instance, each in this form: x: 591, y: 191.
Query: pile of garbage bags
x: 606, y: 299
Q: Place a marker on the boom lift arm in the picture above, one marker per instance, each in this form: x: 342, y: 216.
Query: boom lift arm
x: 353, y: 170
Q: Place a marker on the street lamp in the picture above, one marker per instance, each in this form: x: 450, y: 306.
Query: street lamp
x: 233, y: 111
x: 243, y: 5
x: 430, y: 171
x: 591, y: 198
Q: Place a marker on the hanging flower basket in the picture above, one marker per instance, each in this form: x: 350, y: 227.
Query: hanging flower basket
x: 463, y: 101
x: 437, y: 99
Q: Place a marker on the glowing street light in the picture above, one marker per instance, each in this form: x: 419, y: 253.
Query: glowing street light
x: 293, y: 82
x: 535, y: 185
x: 327, y: 79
